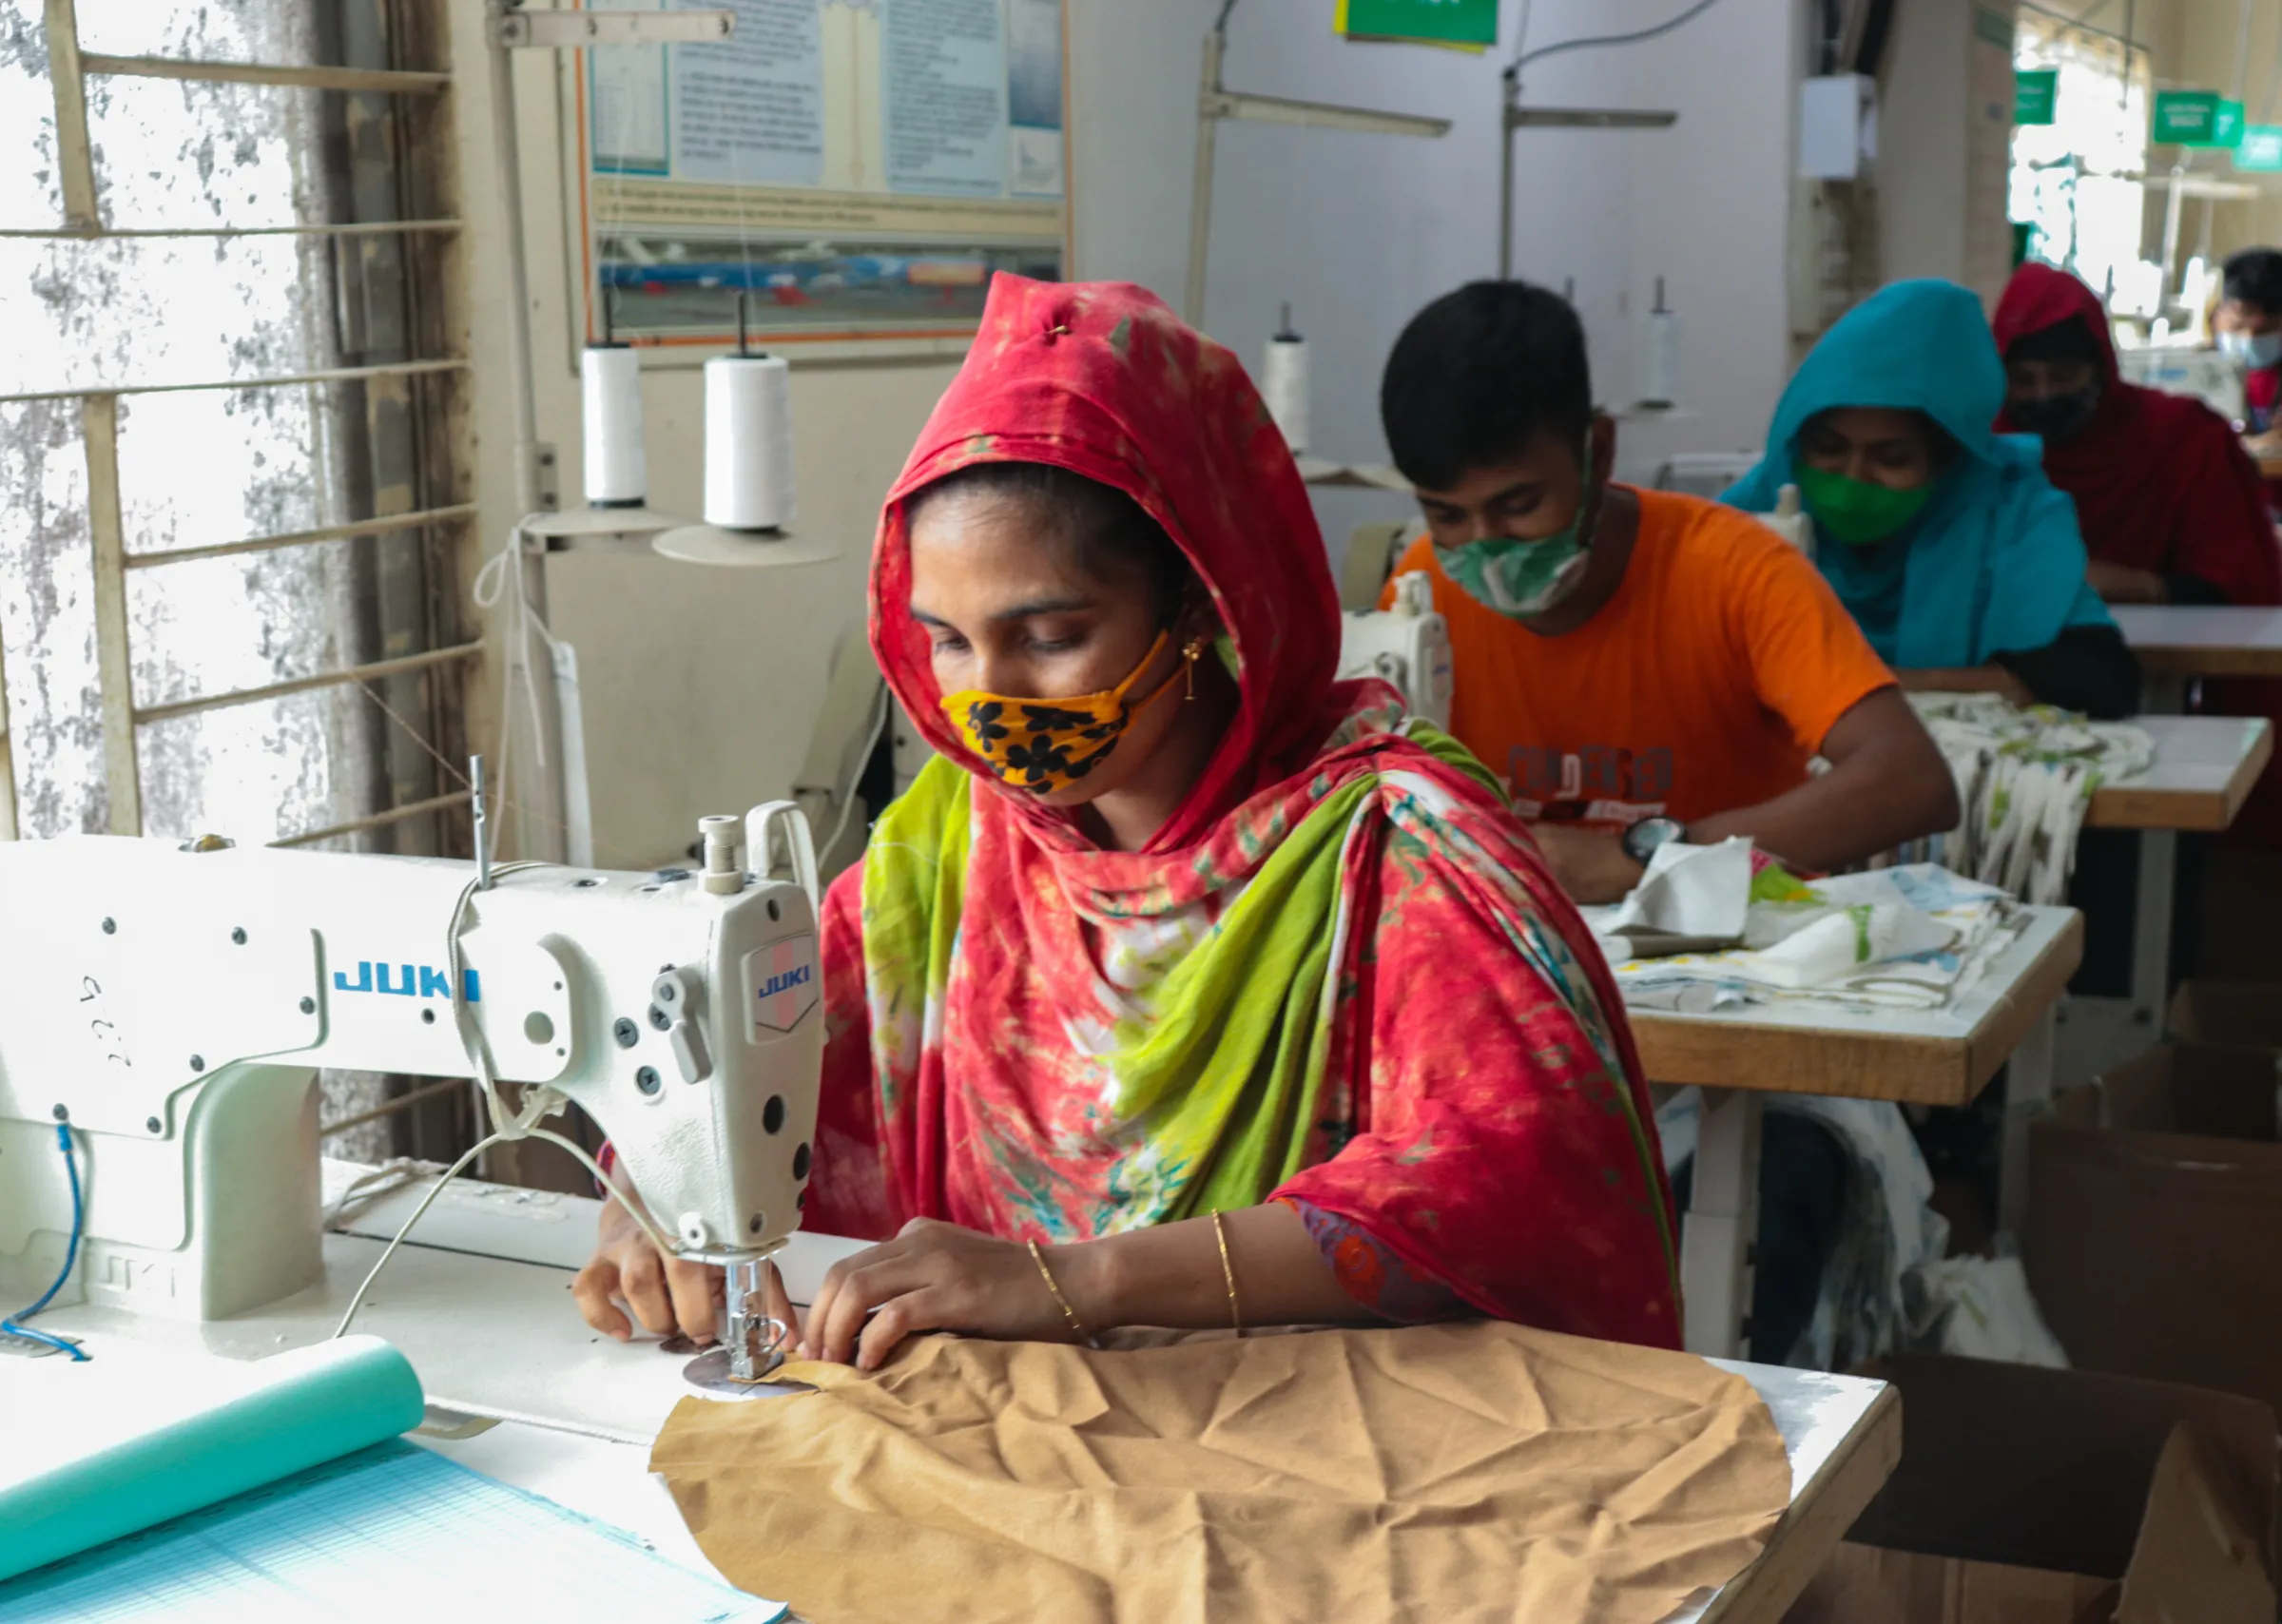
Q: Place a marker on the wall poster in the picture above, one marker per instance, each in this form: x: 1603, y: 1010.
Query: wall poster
x: 857, y: 169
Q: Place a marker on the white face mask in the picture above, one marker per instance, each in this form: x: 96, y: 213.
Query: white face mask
x: 2256, y: 350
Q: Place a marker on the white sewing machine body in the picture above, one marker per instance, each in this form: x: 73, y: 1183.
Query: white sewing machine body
x: 1407, y: 646
x: 1790, y: 520
x: 2204, y: 375
x: 173, y: 1004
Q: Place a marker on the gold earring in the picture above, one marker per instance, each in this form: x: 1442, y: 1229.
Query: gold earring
x: 1192, y: 652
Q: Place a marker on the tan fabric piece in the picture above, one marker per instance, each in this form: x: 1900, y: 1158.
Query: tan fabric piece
x: 1479, y: 1471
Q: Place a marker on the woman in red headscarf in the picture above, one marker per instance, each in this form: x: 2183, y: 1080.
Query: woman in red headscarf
x: 2171, y: 509
x: 1187, y: 986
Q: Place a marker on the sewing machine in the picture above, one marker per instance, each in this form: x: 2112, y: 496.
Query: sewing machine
x: 2204, y: 375
x: 1407, y: 646
x: 170, y: 1006
x: 1790, y: 520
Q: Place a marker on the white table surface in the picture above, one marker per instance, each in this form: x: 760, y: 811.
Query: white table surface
x: 502, y: 1336
x: 2182, y: 637
x: 2201, y: 762
x: 1780, y: 1046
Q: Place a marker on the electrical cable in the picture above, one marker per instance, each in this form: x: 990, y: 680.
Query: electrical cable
x: 1877, y: 24
x: 502, y: 576
x: 1589, y: 44
x: 508, y: 1126
x: 1521, y: 37
x: 12, y: 1325
x: 1220, y: 24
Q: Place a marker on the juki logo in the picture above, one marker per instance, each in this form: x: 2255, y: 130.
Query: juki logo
x: 784, y: 979
x: 418, y: 981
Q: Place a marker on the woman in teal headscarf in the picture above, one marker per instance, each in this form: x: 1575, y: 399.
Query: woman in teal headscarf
x: 1957, y: 557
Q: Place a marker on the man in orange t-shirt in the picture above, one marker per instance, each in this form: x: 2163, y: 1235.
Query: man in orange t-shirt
x: 1638, y: 665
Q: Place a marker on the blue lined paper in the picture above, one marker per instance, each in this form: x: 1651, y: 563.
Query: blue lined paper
x: 393, y: 1532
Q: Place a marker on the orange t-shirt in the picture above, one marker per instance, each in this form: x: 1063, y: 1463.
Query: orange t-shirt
x: 1705, y: 685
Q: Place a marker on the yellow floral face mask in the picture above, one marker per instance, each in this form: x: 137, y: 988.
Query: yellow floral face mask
x: 1045, y: 745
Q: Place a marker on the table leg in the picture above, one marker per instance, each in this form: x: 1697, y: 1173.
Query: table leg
x: 1721, y: 1228
x: 2028, y: 1091
x: 2151, y: 917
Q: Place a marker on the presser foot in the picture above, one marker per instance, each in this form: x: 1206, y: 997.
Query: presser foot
x: 709, y: 1371
x: 766, y: 1341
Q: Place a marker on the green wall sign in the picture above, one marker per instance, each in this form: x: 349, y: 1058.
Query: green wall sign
x: 1451, y: 22
x: 2261, y: 148
x: 2036, y: 93
x: 2195, y: 118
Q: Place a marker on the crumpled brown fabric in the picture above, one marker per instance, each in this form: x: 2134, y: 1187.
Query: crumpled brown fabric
x: 1482, y: 1471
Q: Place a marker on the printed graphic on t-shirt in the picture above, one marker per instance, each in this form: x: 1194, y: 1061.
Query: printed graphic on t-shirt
x: 1601, y: 783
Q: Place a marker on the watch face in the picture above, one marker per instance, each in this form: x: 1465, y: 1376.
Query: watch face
x: 1641, y: 840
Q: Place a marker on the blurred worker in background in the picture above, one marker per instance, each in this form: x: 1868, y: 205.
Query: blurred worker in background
x: 2170, y: 509
x: 1639, y: 666
x: 2249, y: 329
x: 1957, y: 557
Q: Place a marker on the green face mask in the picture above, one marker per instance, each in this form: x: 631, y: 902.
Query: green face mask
x: 1855, y: 514
x: 1526, y: 578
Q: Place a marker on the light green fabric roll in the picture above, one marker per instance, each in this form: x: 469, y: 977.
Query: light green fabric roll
x: 306, y: 1407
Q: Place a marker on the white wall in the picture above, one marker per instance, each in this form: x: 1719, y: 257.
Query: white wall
x: 1359, y: 231
x: 700, y: 686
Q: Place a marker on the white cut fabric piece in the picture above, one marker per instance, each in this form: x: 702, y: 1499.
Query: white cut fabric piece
x: 1916, y: 937
x: 1976, y: 1307
x: 1889, y: 1233
x: 2025, y: 779
x: 1845, y: 945
x: 1697, y: 891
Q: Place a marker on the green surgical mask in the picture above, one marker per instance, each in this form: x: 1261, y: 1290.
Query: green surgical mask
x: 1525, y: 578
x: 1855, y: 514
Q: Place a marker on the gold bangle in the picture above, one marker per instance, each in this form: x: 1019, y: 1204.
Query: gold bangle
x: 1228, y: 1271
x: 1077, y: 1325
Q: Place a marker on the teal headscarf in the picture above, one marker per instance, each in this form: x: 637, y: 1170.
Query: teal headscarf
x: 1995, y: 563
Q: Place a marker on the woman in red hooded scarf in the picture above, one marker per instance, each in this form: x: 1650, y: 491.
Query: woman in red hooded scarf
x: 2171, y: 509
x: 1187, y: 986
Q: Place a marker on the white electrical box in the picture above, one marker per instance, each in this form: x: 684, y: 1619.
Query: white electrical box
x: 1838, y: 126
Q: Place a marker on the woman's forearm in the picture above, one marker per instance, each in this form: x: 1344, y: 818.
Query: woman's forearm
x: 1171, y: 1275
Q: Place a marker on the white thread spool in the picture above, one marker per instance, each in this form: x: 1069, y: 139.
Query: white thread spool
x: 1660, y: 355
x: 748, y: 443
x: 610, y: 387
x: 1283, y: 381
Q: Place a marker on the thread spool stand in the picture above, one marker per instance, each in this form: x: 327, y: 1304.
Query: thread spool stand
x: 729, y: 493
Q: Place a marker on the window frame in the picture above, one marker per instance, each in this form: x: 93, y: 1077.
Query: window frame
x: 442, y: 523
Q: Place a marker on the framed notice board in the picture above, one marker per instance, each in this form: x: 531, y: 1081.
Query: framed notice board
x: 857, y: 169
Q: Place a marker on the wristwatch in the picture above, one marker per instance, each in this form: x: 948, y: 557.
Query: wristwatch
x: 1642, y: 839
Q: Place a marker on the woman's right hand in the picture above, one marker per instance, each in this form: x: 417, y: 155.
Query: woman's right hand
x: 666, y: 1294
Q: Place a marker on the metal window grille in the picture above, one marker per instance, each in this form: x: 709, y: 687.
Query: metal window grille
x: 233, y: 493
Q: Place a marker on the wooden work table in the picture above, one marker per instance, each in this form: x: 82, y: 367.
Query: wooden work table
x: 2204, y: 768
x: 2179, y: 640
x: 1909, y: 1056
x: 1946, y: 1056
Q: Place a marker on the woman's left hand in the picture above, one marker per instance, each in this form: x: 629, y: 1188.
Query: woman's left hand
x: 938, y: 1277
